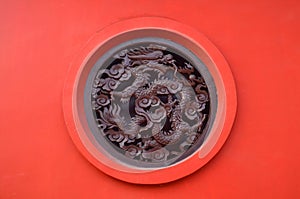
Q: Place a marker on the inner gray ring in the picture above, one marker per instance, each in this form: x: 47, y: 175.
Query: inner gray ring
x: 107, y: 58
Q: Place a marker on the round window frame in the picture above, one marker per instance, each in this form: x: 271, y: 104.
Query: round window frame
x: 102, y: 41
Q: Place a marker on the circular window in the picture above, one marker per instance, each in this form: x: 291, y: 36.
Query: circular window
x: 149, y: 104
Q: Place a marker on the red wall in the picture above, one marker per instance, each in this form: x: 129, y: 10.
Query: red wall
x: 260, y: 40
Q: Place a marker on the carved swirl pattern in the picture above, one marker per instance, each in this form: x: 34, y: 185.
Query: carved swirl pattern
x: 151, y: 103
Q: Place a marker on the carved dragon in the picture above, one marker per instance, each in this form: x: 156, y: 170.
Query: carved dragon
x: 160, y: 108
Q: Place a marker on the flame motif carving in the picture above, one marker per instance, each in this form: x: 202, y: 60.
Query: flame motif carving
x: 151, y: 103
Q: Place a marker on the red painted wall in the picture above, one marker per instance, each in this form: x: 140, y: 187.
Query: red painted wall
x: 260, y: 40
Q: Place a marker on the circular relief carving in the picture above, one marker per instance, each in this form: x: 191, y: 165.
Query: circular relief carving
x: 150, y: 102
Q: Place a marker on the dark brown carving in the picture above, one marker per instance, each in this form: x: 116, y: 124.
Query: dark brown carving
x: 151, y: 103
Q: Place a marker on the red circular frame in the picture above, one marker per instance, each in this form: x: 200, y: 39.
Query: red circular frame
x: 202, y: 48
